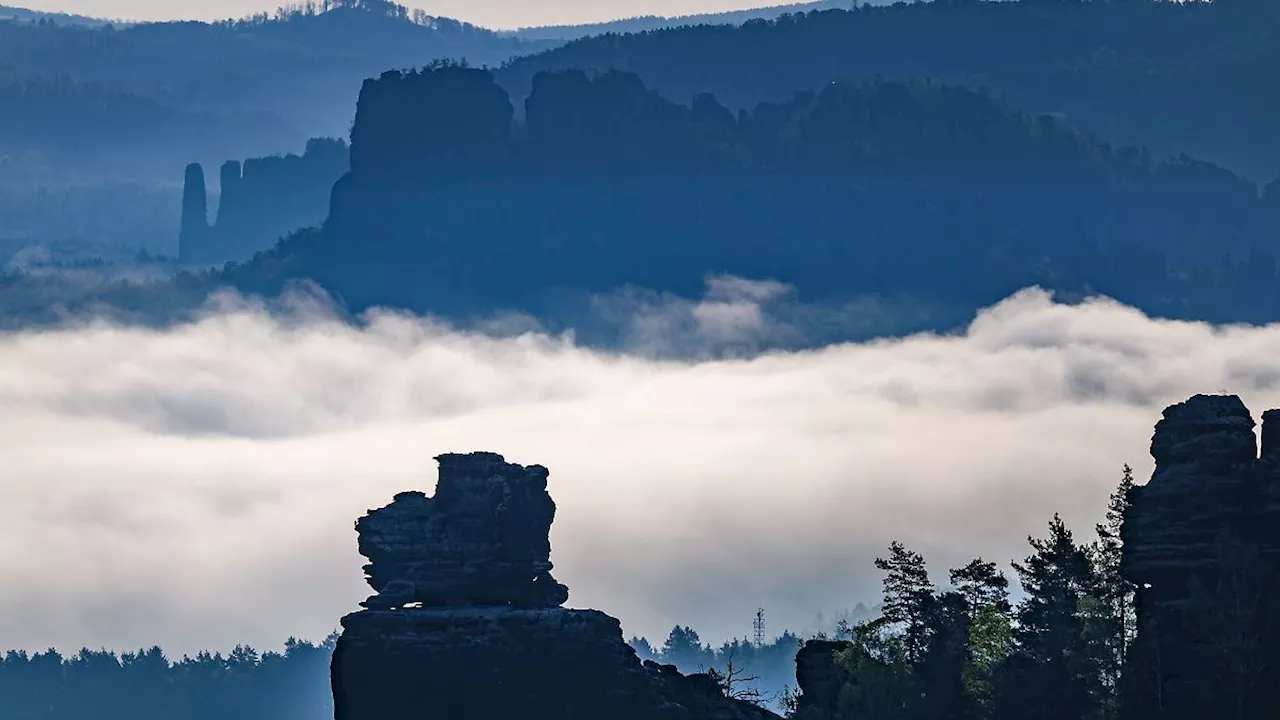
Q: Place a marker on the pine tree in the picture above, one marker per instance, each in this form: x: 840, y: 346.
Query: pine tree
x: 940, y: 675
x: 1114, y: 625
x: 982, y: 585
x: 1055, y: 665
x: 907, y: 592
x: 990, y: 634
x: 684, y: 649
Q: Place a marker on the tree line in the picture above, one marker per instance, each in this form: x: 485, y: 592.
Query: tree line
x: 966, y: 650
x: 292, y: 684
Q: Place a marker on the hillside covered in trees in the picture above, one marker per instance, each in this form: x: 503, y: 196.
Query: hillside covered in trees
x: 1175, y: 77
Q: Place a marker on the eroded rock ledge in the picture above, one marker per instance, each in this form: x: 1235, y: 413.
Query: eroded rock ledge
x: 466, y: 623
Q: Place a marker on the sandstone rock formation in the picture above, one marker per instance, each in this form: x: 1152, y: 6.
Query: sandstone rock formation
x: 259, y: 201
x: 194, y: 232
x: 466, y: 624
x: 1205, y: 452
x: 820, y: 678
x: 1200, y: 544
x: 482, y: 540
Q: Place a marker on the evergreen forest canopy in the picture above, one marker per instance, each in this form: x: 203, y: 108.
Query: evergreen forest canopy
x: 1175, y: 77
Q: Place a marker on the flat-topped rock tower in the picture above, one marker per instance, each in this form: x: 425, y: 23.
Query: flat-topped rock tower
x: 466, y: 623
x: 482, y: 540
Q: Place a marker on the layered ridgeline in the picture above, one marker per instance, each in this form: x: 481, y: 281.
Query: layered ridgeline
x: 1172, y: 76
x: 920, y: 190
x: 259, y: 201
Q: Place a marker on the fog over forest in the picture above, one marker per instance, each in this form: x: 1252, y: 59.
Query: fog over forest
x: 196, y: 487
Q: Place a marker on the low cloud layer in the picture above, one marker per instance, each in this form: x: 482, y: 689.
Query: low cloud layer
x: 196, y: 487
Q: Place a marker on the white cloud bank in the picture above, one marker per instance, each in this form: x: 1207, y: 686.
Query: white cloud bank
x: 197, y: 487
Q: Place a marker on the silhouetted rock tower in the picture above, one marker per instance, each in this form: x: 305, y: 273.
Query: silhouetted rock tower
x: 466, y: 623
x: 1201, y: 540
x: 195, y: 213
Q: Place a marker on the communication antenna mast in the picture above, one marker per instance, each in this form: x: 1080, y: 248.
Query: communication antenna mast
x: 758, y: 626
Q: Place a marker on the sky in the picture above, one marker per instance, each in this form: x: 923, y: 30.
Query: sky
x: 197, y: 487
x: 496, y: 14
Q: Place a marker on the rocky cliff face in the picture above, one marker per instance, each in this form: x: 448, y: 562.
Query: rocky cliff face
x: 1200, y: 544
x: 260, y: 201
x: 467, y: 623
x: 194, y: 232
x: 1205, y: 451
x: 820, y: 678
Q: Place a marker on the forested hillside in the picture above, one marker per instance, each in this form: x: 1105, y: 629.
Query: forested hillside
x: 1171, y: 76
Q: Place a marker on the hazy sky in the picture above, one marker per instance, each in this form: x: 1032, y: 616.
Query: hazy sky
x: 502, y: 14
x: 197, y: 487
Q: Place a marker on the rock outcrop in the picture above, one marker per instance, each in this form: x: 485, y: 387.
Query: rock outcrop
x: 1205, y: 451
x: 194, y: 232
x: 260, y: 201
x: 1201, y: 540
x: 482, y: 540
x: 467, y: 624
x: 820, y: 678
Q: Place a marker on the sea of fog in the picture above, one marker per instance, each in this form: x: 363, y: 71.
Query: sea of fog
x: 197, y: 486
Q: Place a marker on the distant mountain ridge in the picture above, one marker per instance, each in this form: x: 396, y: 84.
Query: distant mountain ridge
x: 23, y: 15
x: 657, y: 22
